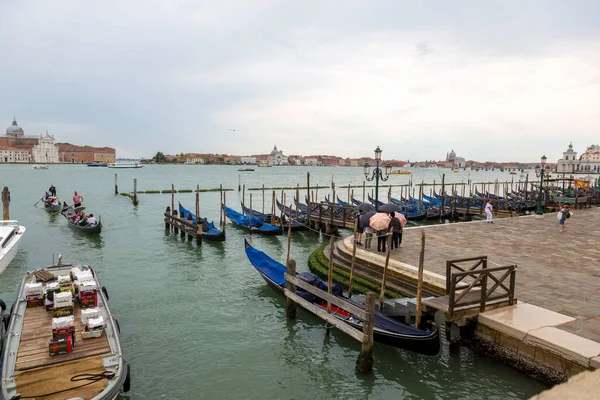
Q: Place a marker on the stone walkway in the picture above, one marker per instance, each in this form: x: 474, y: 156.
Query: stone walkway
x: 559, y: 271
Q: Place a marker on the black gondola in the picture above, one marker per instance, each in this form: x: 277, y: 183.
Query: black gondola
x: 68, y: 212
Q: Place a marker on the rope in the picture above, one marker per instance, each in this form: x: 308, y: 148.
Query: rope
x: 93, y: 378
x: 327, y: 326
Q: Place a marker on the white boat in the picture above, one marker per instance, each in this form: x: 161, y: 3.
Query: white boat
x: 76, y: 356
x: 40, y: 166
x: 125, y: 165
x: 10, y: 236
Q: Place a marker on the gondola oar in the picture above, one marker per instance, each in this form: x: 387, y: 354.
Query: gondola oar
x: 42, y: 198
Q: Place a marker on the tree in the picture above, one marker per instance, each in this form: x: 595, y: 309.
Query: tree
x: 159, y: 157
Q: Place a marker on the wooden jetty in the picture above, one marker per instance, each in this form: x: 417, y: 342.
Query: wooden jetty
x: 552, y: 331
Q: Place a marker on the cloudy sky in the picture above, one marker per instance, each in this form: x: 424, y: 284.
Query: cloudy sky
x: 493, y: 80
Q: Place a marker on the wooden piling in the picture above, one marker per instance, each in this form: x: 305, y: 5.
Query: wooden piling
x: 135, y: 199
x: 221, y: 206
x: 167, y: 219
x: 307, y: 196
x: 190, y: 221
x: 173, y: 198
x: 420, y: 279
x: 330, y: 273
x: 388, y: 239
x: 289, y: 235
x: 175, y: 228
x: 116, y: 186
x: 353, y: 258
x: 263, y: 198
x: 244, y: 195
x: 364, y: 362
x: 5, y: 203
x: 364, y: 188
x: 250, y: 222
x: 198, y: 205
x: 223, y: 212
x: 290, y: 305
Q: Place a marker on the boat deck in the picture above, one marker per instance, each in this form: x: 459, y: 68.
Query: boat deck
x: 36, y: 372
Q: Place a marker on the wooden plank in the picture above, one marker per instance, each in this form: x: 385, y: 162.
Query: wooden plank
x: 49, y: 379
x: 341, y: 325
x: 351, y: 308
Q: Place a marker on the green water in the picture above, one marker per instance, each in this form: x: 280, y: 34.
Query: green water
x: 199, y: 322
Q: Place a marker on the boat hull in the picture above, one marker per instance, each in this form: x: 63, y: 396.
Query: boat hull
x: 86, y: 228
x: 22, y: 338
x: 10, y: 249
x: 53, y: 208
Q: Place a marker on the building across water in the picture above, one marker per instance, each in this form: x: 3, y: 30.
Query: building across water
x: 16, y: 147
x: 587, y: 163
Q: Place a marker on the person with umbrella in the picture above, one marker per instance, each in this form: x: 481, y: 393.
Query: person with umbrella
x: 380, y: 223
x: 396, y: 229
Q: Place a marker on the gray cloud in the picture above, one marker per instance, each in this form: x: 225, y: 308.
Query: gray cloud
x: 143, y: 76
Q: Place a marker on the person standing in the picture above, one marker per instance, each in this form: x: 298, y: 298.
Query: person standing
x: 77, y: 199
x: 52, y: 190
x: 368, y: 237
x: 565, y: 213
x: 488, y: 212
x: 381, y: 239
x: 395, y: 228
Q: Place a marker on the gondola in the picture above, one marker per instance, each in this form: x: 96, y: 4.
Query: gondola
x: 68, y: 211
x: 257, y: 225
x: 299, y: 215
x: 209, y: 232
x: 275, y: 220
x: 52, y: 204
x: 386, y: 330
x: 83, y: 358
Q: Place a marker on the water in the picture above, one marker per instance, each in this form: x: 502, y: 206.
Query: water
x: 199, y: 322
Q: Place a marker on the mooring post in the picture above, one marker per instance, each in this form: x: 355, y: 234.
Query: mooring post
x: 175, y: 224
x: 330, y: 273
x: 244, y: 196
x: 224, y: 217
x: 290, y: 306
x: 116, y: 186
x: 173, y: 198
x: 221, y: 206
x: 168, y: 218
x: 5, y: 203
x: 388, y: 239
x: 189, y: 230
x: 263, y: 198
x: 364, y: 189
x: 353, y: 257
x: 135, y: 200
x: 364, y: 362
x: 307, y: 196
x: 420, y: 279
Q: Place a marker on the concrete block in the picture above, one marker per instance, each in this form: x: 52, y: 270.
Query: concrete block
x: 526, y: 351
x: 517, y: 320
x: 549, y: 360
x: 595, y: 363
x: 486, y: 333
x: 565, y: 344
x: 508, y: 342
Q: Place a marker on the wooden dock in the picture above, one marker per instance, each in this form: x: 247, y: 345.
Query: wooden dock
x: 559, y: 271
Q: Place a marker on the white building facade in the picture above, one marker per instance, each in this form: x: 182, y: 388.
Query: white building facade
x: 14, y: 155
x: 277, y: 158
x: 587, y: 163
x: 45, y: 151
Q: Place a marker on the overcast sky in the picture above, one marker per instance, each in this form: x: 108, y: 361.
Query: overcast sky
x: 493, y: 80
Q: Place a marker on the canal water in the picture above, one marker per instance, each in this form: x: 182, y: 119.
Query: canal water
x: 198, y: 321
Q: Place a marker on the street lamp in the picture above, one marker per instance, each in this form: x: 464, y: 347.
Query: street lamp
x: 539, y: 172
x: 377, y: 174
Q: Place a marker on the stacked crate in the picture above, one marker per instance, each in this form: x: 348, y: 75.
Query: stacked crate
x: 34, y: 293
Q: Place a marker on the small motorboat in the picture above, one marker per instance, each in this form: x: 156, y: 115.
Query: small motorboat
x: 70, y: 348
x: 11, y: 234
x: 40, y: 166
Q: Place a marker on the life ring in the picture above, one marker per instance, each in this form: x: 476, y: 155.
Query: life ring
x: 127, y: 383
x: 105, y: 292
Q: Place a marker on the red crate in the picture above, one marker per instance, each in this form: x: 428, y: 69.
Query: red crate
x: 61, y: 346
x: 88, y: 299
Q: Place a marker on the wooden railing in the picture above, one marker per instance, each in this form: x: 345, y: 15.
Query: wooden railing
x: 460, y: 285
x: 337, y: 214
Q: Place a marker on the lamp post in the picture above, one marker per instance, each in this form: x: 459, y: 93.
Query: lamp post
x: 539, y: 172
x: 377, y: 174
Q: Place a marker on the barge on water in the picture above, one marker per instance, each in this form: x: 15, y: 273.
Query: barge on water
x: 61, y: 339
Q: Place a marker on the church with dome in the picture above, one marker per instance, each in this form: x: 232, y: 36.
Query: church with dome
x: 587, y: 163
x: 277, y: 158
x: 15, y: 146
x: 452, y: 161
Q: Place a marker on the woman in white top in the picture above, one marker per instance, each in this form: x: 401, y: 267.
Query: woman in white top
x: 488, y: 212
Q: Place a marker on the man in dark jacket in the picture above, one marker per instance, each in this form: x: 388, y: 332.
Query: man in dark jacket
x: 396, y: 228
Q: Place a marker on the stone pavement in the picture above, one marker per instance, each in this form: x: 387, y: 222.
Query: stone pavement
x: 559, y: 271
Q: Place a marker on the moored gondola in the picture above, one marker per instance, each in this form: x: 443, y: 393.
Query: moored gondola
x: 209, y: 231
x: 257, y: 226
x: 386, y: 330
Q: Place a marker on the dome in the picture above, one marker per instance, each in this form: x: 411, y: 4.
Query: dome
x: 274, y: 151
x: 452, y: 154
x: 14, y: 129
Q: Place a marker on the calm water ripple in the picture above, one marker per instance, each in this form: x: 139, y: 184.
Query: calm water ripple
x: 199, y: 322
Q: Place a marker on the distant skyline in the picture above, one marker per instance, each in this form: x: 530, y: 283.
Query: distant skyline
x: 495, y: 81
